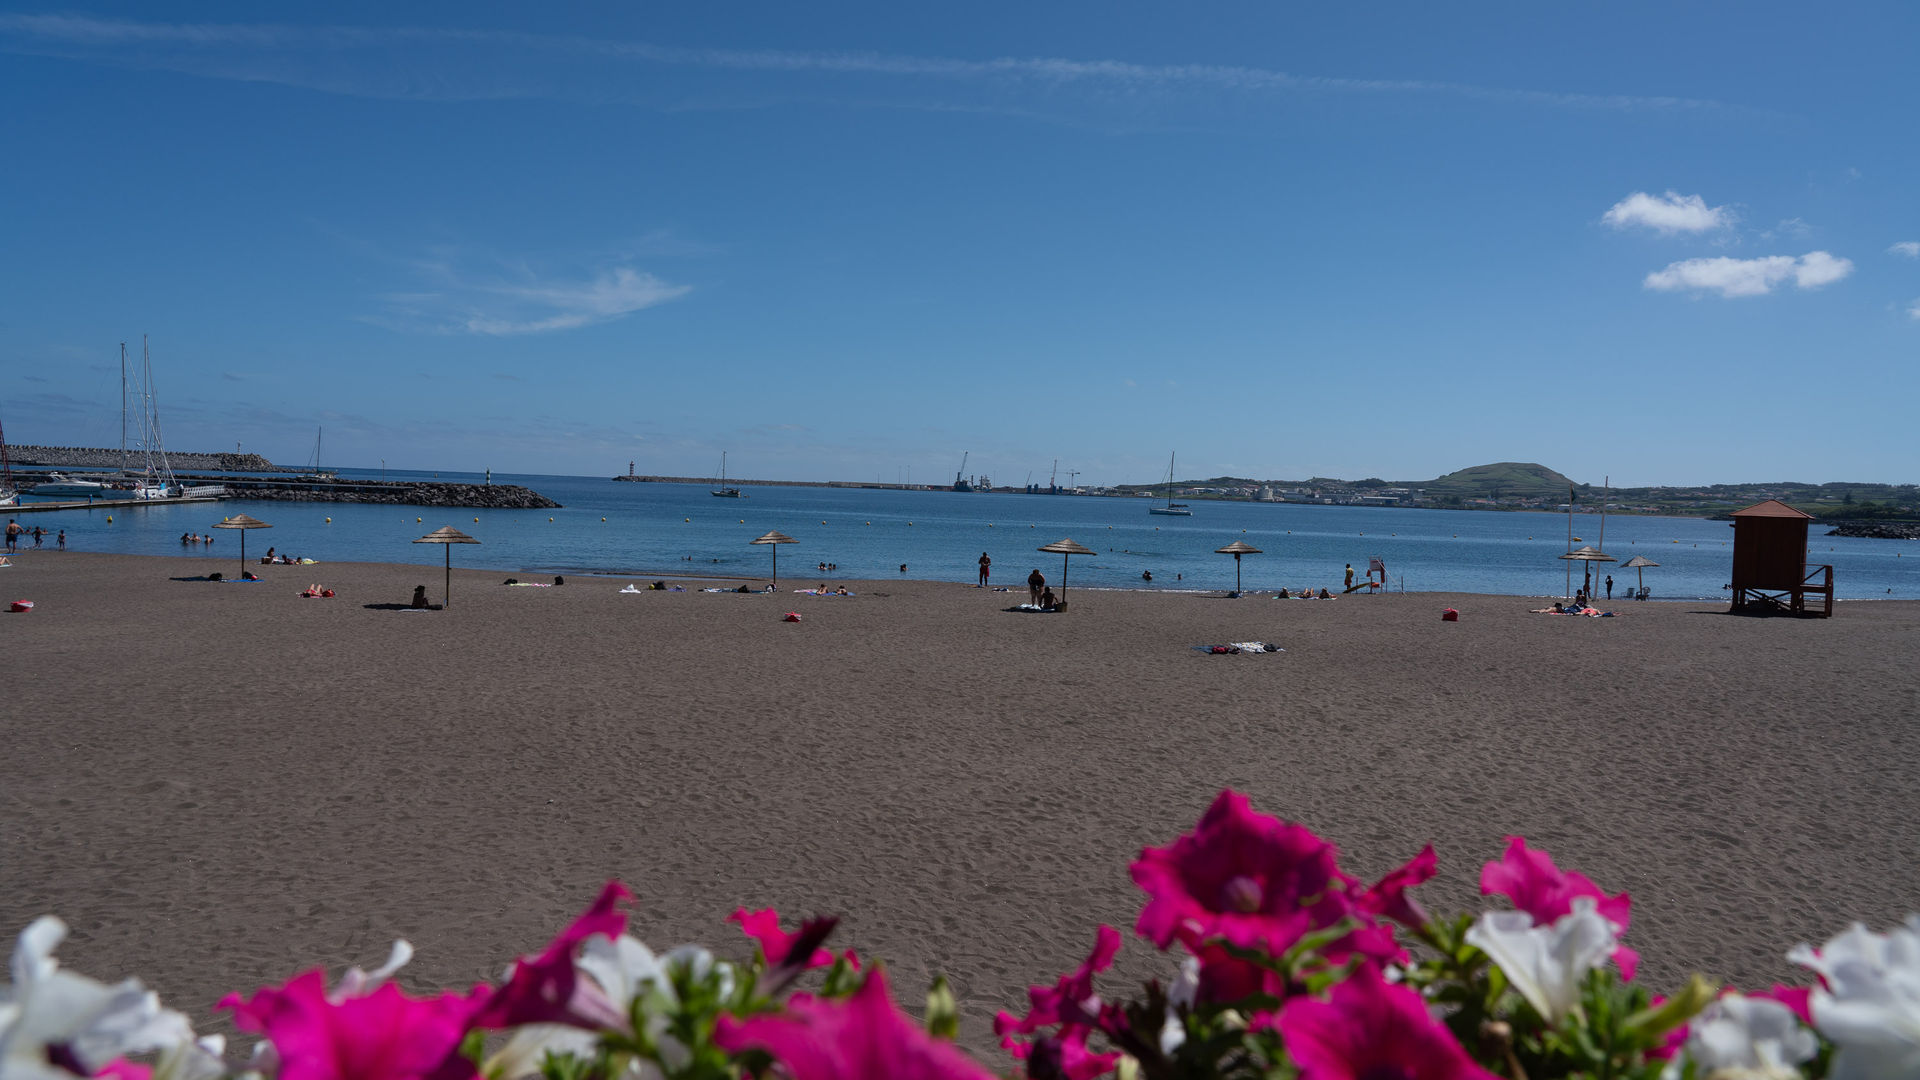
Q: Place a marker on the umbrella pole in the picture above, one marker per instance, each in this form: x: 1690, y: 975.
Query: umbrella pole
x: 446, y: 589
x: 1063, y: 575
x: 1236, y: 571
x: 776, y: 564
x: 243, y: 553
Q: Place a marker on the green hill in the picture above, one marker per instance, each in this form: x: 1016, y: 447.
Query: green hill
x: 1502, y: 479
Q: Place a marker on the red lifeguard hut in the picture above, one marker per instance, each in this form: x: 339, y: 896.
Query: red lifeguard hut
x: 1770, y: 570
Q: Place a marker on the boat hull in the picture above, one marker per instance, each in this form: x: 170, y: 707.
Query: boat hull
x: 1167, y: 511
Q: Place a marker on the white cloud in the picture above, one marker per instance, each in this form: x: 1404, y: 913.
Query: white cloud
x: 1908, y: 248
x: 1669, y: 213
x: 566, y: 305
x: 1750, y: 277
x: 516, y: 299
x: 1913, y: 310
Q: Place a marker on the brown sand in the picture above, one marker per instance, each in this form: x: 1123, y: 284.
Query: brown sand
x: 219, y: 784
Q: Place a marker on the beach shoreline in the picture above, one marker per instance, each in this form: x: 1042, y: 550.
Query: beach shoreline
x: 219, y: 785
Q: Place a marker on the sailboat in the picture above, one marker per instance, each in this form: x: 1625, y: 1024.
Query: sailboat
x: 1172, y: 509
x: 723, y: 491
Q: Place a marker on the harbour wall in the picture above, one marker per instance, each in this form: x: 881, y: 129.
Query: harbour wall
x: 84, y: 457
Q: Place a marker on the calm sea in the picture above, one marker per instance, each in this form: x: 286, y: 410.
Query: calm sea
x: 652, y: 530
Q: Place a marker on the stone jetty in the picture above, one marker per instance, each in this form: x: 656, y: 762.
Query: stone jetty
x: 395, y: 492
x: 89, y: 457
x: 1878, y: 530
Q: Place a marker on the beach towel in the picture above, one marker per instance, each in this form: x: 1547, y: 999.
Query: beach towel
x: 1234, y: 648
x: 530, y: 584
x: 631, y: 589
x: 1036, y: 609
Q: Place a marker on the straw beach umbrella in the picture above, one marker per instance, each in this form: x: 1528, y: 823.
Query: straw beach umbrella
x: 1237, y: 549
x: 1067, y: 549
x: 1639, y: 564
x: 776, y: 539
x: 243, y: 523
x: 446, y: 536
x: 1588, y: 555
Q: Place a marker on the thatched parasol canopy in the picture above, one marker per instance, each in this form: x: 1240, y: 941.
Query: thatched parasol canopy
x: 1589, y: 554
x: 1237, y: 549
x: 1066, y: 549
x: 447, y: 536
x: 1638, y: 564
x: 776, y: 539
x: 243, y: 523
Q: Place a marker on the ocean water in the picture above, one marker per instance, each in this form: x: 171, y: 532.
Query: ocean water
x: 653, y: 530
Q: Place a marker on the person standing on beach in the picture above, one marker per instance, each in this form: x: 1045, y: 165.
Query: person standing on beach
x: 1349, y: 577
x: 1609, y: 586
x: 986, y: 567
x: 63, y: 539
x: 13, y: 535
x: 1036, y: 581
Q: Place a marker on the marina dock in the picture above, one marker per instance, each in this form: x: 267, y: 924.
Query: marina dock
x: 103, y: 504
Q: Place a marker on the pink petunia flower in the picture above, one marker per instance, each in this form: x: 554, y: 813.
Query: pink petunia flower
x: 1070, y: 999
x: 1251, y: 879
x: 547, y: 989
x: 1369, y: 1028
x: 1536, y: 886
x: 122, y: 1069
x: 383, y: 1035
x: 1389, y: 897
x: 865, y: 1037
x: 763, y: 926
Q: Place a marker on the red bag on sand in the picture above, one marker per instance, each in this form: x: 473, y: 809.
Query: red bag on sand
x: 792, y: 616
x: 1450, y: 615
x: 23, y: 605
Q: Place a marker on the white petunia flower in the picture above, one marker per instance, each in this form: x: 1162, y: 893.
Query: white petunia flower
x: 1546, y: 963
x: 1870, y: 1005
x: 47, y: 1014
x: 1749, y: 1038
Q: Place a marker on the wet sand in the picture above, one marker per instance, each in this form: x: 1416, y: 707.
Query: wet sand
x: 220, y: 784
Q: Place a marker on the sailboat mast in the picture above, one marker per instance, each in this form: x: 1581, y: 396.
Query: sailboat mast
x: 123, y: 408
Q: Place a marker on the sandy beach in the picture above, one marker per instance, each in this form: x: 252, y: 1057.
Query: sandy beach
x: 218, y: 784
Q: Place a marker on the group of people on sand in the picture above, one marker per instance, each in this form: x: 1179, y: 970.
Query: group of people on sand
x: 272, y: 559
x: 1305, y: 594
x: 15, y: 531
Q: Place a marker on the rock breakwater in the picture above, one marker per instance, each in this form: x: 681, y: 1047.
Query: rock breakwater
x: 1878, y: 530
x: 402, y: 493
x: 90, y: 457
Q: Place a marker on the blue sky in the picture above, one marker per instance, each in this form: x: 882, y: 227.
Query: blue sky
x: 1665, y: 243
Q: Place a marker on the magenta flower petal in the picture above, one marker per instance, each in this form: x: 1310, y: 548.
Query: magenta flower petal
x: 865, y: 1037
x: 1067, y: 999
x: 1067, y: 1056
x: 1370, y: 1028
x: 122, y: 1069
x: 1251, y: 879
x: 547, y: 989
x: 1538, y: 887
x: 763, y: 926
x: 1389, y: 897
x: 1627, y: 960
x: 384, y: 1035
x: 1797, y: 998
